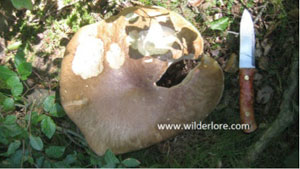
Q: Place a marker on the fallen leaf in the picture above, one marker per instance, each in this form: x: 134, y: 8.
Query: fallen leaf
x: 231, y: 64
x: 195, y: 3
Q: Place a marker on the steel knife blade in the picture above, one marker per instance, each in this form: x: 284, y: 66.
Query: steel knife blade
x: 247, y: 41
x: 246, y: 71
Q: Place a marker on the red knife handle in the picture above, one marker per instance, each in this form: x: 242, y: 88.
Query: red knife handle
x: 247, y: 98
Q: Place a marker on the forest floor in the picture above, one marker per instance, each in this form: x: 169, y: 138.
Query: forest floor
x: 35, y: 132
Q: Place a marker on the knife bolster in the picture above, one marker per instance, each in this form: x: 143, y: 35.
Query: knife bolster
x: 247, y: 98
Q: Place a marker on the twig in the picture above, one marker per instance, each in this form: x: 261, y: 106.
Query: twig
x: 182, y: 11
x: 72, y: 140
x: 260, y: 12
x: 23, y: 153
x: 37, y: 75
x: 29, y: 121
x: 284, y: 119
x: 234, y: 33
x: 68, y: 131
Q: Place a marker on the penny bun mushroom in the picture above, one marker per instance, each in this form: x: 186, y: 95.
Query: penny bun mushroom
x: 109, y: 73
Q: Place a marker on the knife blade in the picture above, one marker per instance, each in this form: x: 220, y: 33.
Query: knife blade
x: 246, y: 71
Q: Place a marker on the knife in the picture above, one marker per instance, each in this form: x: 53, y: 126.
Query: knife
x: 246, y: 71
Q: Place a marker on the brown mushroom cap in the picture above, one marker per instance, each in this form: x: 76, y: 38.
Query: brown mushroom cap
x: 109, y: 74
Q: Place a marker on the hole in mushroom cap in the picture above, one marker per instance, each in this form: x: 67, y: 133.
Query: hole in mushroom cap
x: 176, y: 72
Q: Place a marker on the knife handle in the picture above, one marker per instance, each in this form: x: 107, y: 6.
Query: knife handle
x: 247, y: 98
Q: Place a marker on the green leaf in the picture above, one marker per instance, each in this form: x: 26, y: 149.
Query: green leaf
x: 6, y: 73
x: 10, y: 119
x: 17, y: 89
x: 34, y: 117
x: 110, y: 158
x: 3, y: 138
x: 20, y: 4
x: 12, y: 81
x: 96, y: 161
x: 55, y: 151
x: 2, y: 97
x: 131, y: 162
x: 15, y: 85
x: 14, y: 46
x: 15, y: 159
x: 70, y: 159
x: 19, y: 57
x: 12, y: 148
x: 49, y: 103
x: 60, y: 164
x: 36, y: 143
x: 40, y: 161
x: 13, y: 130
x: 41, y: 117
x: 57, y: 111
x: 24, y: 70
x: 53, y: 108
x: 109, y: 165
x: 47, y: 164
x: 219, y: 24
x: 8, y: 104
x: 48, y: 127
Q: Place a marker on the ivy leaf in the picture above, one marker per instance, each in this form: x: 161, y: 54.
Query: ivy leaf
x: 131, y: 162
x: 55, y: 151
x: 8, y: 104
x: 20, y: 4
x: 219, y: 24
x: 48, y: 127
x: 36, y: 143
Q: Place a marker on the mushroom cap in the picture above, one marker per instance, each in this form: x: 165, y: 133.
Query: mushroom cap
x: 109, y: 74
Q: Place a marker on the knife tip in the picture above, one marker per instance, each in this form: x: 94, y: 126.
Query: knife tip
x: 246, y: 12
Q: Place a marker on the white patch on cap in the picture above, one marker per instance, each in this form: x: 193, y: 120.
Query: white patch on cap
x: 115, y: 57
x: 131, y: 16
x: 148, y: 60
x: 88, y: 59
x: 76, y: 102
x: 157, y: 40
